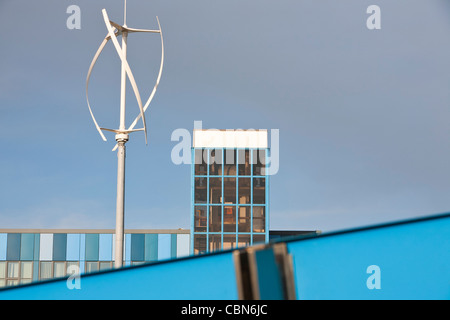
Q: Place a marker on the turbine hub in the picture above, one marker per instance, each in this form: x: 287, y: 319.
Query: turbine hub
x: 122, y: 137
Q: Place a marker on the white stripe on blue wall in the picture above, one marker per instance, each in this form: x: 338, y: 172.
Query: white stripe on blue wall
x: 105, y: 245
x: 82, y: 252
x: 82, y: 247
x: 127, y: 248
x: 182, y: 245
x: 46, y: 247
x: 3, y: 238
x: 164, y: 246
x: 73, y: 247
x: 114, y: 248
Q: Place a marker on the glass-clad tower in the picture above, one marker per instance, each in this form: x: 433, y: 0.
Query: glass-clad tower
x: 230, y: 203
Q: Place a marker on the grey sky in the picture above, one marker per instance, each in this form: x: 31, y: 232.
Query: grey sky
x: 363, y: 114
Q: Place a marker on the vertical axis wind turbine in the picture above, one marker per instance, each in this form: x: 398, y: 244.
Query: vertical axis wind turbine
x: 122, y: 134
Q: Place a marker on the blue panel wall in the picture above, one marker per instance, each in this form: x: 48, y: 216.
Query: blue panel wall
x: 59, y: 246
x: 27, y: 247
x: 413, y: 260
x: 210, y: 278
x: 270, y: 285
x: 13, y: 246
x: 92, y: 241
x: 138, y: 247
x: 151, y: 247
x: 73, y: 247
x: 164, y: 246
x: 3, y: 244
x: 105, y: 247
x: 173, y: 246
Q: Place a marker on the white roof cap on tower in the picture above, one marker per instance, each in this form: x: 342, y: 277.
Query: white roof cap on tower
x: 213, y: 138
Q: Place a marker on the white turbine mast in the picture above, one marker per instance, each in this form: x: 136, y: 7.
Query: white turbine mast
x: 122, y: 133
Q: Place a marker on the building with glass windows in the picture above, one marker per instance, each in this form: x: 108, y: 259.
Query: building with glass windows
x: 230, y: 189
x: 230, y: 209
x: 28, y: 255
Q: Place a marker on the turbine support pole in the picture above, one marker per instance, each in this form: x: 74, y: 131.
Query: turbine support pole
x: 121, y: 139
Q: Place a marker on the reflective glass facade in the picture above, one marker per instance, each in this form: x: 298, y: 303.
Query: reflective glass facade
x: 229, y: 198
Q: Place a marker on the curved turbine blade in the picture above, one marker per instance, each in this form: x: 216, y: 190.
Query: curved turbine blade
x: 127, y: 69
x: 156, y: 85
x: 142, y: 30
x: 160, y: 70
x: 94, y: 60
